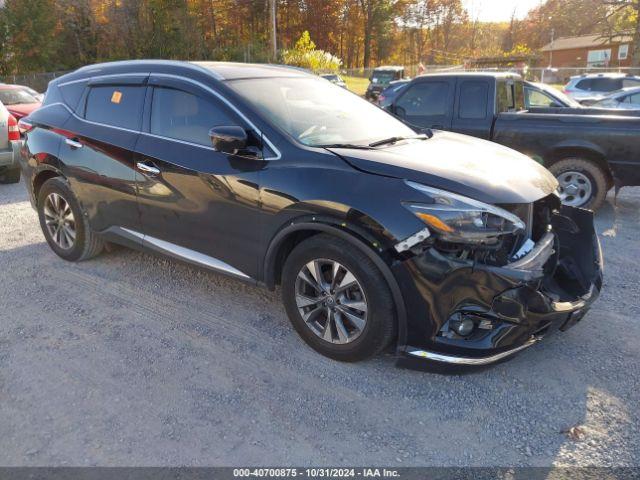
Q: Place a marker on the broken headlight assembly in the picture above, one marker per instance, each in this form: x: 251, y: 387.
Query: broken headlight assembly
x: 461, y: 220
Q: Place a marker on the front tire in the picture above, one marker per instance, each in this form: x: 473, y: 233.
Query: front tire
x: 582, y: 183
x: 63, y: 223
x: 337, y: 299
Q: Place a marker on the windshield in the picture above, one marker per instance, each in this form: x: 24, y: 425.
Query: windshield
x: 383, y: 77
x: 554, y: 92
x: 16, y: 96
x: 316, y: 113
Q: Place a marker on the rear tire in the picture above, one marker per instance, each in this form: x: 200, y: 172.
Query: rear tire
x: 10, y: 176
x: 63, y: 223
x: 584, y: 176
x: 362, y: 317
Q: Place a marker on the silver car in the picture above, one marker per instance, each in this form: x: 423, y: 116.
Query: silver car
x: 595, y: 86
x: 625, y: 99
x: 9, y: 147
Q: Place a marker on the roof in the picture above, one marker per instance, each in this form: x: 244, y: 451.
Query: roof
x: 218, y: 70
x: 394, y: 68
x: 472, y: 74
x: 586, y: 41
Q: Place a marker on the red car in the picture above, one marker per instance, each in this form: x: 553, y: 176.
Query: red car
x: 19, y: 102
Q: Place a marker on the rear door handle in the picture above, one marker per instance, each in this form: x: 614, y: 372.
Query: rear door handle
x: 72, y: 143
x: 148, y: 169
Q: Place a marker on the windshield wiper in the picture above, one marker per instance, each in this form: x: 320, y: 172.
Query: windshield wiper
x: 389, y: 140
x: 345, y: 145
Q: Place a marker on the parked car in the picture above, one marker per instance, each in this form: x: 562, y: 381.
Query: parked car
x: 34, y: 93
x: 625, y: 99
x: 588, y: 154
x: 540, y: 95
x: 592, y: 87
x: 17, y: 100
x: 9, y: 137
x: 335, y: 79
x: 455, y: 249
x: 381, y: 78
x: 388, y: 94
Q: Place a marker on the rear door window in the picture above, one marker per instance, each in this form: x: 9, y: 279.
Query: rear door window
x: 116, y: 105
x: 184, y: 116
x: 603, y: 84
x: 474, y: 99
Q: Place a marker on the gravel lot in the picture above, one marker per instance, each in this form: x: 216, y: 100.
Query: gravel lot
x: 132, y: 359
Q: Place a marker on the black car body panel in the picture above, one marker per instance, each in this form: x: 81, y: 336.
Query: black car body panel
x: 491, y: 106
x: 240, y: 213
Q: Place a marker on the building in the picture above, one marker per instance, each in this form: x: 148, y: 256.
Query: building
x: 588, y: 51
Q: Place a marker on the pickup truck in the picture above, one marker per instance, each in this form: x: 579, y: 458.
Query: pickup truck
x: 588, y: 153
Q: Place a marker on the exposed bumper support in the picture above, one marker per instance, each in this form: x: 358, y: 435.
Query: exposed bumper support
x: 438, y: 357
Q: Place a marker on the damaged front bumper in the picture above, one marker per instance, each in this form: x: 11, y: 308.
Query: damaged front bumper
x: 510, y: 307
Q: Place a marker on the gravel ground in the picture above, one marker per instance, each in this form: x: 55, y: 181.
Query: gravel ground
x: 132, y: 359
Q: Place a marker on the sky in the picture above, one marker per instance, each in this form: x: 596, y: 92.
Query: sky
x: 499, y: 10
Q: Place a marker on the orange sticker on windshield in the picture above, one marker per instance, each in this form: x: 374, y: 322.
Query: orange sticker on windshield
x: 116, y: 97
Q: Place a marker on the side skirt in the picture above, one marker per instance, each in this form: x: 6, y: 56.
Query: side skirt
x: 139, y: 240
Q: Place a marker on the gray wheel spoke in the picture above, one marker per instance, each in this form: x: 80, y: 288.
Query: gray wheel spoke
x: 357, y: 321
x: 347, y: 282
x: 343, y: 335
x: 355, y: 304
x: 326, y: 334
x: 304, y: 301
x: 71, y: 234
x: 311, y: 315
x: 309, y: 279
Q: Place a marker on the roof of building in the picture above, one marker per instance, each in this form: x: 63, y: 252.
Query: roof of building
x: 585, y: 41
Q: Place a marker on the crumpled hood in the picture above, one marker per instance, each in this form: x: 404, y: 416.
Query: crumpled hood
x: 461, y: 164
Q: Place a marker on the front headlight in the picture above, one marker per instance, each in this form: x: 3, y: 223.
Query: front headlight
x: 458, y: 219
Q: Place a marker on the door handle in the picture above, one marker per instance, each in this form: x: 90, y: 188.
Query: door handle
x: 148, y: 169
x: 72, y: 143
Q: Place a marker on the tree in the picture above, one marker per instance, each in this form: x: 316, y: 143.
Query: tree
x: 622, y: 16
x: 30, y: 36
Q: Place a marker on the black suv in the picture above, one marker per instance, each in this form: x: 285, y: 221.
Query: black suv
x: 455, y: 249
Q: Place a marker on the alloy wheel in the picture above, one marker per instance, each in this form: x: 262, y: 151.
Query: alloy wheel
x: 331, y: 301
x: 60, y: 221
x: 575, y: 188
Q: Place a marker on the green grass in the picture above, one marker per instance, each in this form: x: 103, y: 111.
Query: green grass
x: 357, y: 84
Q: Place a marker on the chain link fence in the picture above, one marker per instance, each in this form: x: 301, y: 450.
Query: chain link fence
x: 37, y: 81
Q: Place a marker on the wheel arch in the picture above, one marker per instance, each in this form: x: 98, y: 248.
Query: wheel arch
x: 41, y: 177
x: 291, y: 235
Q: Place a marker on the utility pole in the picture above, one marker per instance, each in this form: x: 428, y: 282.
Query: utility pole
x: 553, y: 34
x: 274, y: 40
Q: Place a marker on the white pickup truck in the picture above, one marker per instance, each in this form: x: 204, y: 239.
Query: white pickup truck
x: 9, y: 144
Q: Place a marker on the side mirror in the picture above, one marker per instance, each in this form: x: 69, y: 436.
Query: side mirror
x: 555, y: 105
x: 230, y: 139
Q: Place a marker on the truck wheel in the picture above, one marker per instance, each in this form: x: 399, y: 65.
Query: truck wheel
x: 582, y: 183
x: 65, y: 227
x: 10, y: 176
x: 337, y: 299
